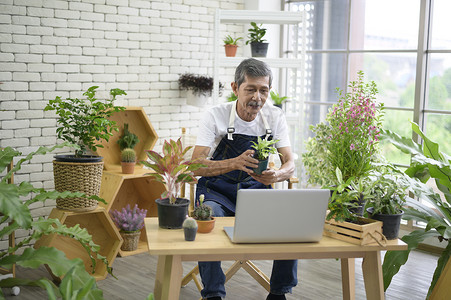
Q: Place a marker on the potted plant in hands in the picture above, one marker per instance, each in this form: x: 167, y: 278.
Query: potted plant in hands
x: 189, y: 229
x: 130, y: 222
x: 277, y: 99
x: 231, y: 45
x: 203, y: 214
x: 255, y: 37
x: 263, y: 148
x: 198, y: 87
x: 172, y: 170
x: 84, y: 123
x: 128, y: 160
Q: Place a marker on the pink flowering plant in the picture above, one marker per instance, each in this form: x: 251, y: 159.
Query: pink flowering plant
x: 129, y: 220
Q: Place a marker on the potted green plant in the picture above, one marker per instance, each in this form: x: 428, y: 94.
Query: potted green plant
x: 172, y: 170
x: 427, y: 162
x: 277, y: 99
x: 263, y: 148
x: 231, y: 45
x: 347, y: 140
x: 130, y: 222
x: 232, y: 97
x: 84, y: 123
x: 127, y: 139
x: 16, y: 215
x: 198, y: 87
x: 203, y: 214
x: 255, y: 37
x: 128, y: 160
x: 189, y: 229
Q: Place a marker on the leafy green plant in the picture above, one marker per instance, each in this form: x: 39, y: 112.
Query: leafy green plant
x: 85, y: 122
x: 128, y: 155
x: 199, y: 84
x: 427, y: 162
x: 201, y: 211
x: 127, y: 139
x: 171, y: 168
x: 277, y: 99
x: 16, y: 215
x: 229, y: 40
x: 263, y: 148
x: 232, y: 97
x: 256, y: 33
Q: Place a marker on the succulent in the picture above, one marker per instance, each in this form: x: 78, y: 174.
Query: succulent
x: 129, y: 220
x: 128, y: 139
x: 189, y: 223
x: 128, y: 155
x: 202, y: 212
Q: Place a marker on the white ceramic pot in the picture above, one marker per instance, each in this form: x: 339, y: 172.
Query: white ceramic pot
x: 199, y: 100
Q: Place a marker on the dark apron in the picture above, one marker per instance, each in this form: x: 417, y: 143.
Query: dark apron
x: 223, y: 188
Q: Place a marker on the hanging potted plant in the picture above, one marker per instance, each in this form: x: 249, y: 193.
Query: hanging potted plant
x: 231, y: 45
x: 129, y: 222
x: 255, y: 37
x: 83, y: 123
x: 198, y: 87
x: 277, y: 99
x: 263, y: 148
x: 172, y: 170
x: 203, y: 214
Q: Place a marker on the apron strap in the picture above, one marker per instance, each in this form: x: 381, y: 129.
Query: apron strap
x: 267, y: 128
x: 231, y: 128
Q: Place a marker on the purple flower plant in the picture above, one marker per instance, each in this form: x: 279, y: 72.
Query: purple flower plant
x: 129, y: 220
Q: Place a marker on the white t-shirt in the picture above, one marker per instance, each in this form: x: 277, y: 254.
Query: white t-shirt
x: 214, y: 123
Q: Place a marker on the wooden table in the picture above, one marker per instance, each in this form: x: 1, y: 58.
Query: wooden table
x: 172, y: 250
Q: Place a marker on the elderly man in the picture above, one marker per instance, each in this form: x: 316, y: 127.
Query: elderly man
x: 224, y: 146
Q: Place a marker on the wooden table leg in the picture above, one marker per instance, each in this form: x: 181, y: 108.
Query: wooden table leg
x: 168, y: 278
x: 348, y: 278
x: 372, y: 276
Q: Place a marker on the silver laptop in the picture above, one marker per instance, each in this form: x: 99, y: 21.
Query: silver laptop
x: 279, y: 216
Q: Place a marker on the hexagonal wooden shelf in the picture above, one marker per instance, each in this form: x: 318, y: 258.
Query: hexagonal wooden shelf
x: 139, y: 124
x: 99, y: 225
x: 119, y: 189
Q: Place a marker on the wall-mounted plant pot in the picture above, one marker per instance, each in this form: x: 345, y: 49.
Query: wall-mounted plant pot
x: 171, y: 216
x: 259, y: 49
x: 391, y: 223
x: 230, y: 50
x: 199, y: 100
x: 262, y: 166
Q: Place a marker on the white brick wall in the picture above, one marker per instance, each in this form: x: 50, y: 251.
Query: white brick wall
x: 60, y: 48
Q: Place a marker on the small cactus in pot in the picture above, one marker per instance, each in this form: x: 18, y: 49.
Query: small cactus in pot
x: 204, y: 216
x: 190, y: 229
x: 128, y: 160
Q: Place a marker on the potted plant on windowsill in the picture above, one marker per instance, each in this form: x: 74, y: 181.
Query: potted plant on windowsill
x: 198, y: 87
x: 172, y: 170
x: 255, y: 37
x: 84, y: 123
x: 231, y: 45
x: 263, y: 148
x: 277, y: 99
x: 203, y: 214
x: 130, y: 222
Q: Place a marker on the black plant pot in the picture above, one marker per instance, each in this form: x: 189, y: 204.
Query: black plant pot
x: 262, y: 166
x: 259, y: 49
x: 278, y: 105
x: 190, y: 234
x: 81, y: 159
x: 390, y: 223
x: 171, y: 216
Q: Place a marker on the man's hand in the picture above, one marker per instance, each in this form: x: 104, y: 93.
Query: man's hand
x: 246, y: 161
x: 267, y: 177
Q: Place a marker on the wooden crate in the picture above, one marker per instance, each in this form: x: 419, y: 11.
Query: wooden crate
x: 368, y: 232
x: 139, y: 124
x: 120, y: 189
x: 99, y: 225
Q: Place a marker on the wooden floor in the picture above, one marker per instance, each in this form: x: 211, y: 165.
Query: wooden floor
x: 318, y: 279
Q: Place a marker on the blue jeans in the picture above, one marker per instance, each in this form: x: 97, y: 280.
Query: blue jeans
x: 283, y: 276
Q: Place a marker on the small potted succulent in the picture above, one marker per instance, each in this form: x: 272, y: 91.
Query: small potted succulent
x: 198, y: 87
x: 203, y: 214
x: 255, y: 37
x: 172, y: 170
x: 128, y: 160
x: 277, y: 99
x: 263, y: 148
x: 231, y: 45
x: 130, y: 222
x: 189, y: 229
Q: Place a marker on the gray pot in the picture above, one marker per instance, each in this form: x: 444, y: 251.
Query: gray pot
x: 259, y: 49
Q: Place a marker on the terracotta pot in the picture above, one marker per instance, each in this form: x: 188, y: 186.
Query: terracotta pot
x: 230, y: 50
x: 128, y: 167
x: 205, y: 226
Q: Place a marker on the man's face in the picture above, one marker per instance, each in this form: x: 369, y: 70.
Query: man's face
x: 252, y: 95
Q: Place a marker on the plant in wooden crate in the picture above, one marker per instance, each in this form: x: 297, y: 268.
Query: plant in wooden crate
x: 172, y: 170
x: 263, y: 148
x: 84, y: 123
x: 255, y: 37
x: 277, y: 99
x: 203, y: 214
x: 198, y: 87
x: 16, y: 215
x: 231, y: 45
x: 190, y: 229
x: 130, y: 222
x: 348, y: 141
x: 128, y: 160
x: 427, y: 162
